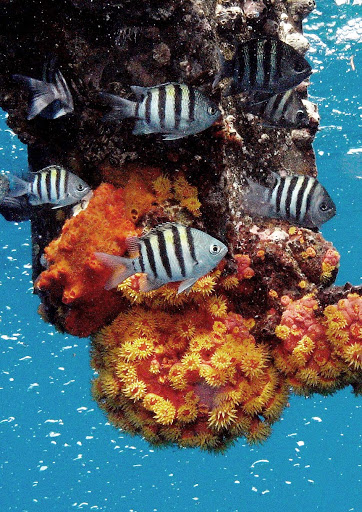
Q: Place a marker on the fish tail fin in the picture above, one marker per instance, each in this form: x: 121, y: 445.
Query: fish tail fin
x: 18, y: 186
x: 43, y: 94
x: 121, y: 108
x: 225, y: 68
x: 255, y: 200
x: 122, y: 268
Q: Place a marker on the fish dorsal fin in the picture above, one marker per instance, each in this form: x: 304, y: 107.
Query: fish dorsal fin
x: 273, y: 179
x: 162, y: 227
x: 139, y: 91
x: 48, y: 168
x: 133, y: 246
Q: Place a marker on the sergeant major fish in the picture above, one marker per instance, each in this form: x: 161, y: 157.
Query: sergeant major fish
x: 51, y: 97
x: 52, y: 185
x: 299, y: 199
x: 285, y: 110
x: 172, y: 109
x: 169, y: 252
x: 264, y: 65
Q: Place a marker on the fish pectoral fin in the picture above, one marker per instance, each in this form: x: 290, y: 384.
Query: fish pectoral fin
x: 187, y: 284
x: 147, y: 284
x: 141, y: 128
x: 174, y: 136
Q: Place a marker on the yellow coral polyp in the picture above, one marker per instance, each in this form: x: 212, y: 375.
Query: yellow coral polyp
x: 138, y: 349
x: 187, y: 413
x: 164, y: 411
x: 191, y: 361
x: 135, y: 390
x: 162, y: 187
x: 192, y: 204
x: 215, y: 377
x: 303, y: 349
x: 253, y: 362
x: 219, y: 327
x: 222, y: 416
x: 221, y: 360
x: 282, y: 331
x: 205, y: 285
x: 186, y: 329
x: 230, y: 282
x: 217, y: 306
x: 352, y: 354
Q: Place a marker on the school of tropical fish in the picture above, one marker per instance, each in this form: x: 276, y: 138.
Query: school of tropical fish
x: 266, y: 72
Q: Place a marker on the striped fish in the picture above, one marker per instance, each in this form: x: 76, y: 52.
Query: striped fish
x: 172, y: 109
x: 264, y: 65
x: 51, y: 97
x: 299, y: 199
x: 285, y: 110
x: 52, y: 185
x: 169, y: 252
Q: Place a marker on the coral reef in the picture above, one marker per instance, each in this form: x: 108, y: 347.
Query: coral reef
x: 202, y: 368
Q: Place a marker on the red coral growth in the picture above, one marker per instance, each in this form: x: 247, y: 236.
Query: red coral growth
x: 320, y: 353
x: 74, y: 276
x: 344, y: 329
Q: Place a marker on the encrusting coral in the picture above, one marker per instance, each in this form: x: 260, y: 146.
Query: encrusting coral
x: 189, y: 369
x: 320, y: 351
x: 195, y: 378
x: 75, y: 279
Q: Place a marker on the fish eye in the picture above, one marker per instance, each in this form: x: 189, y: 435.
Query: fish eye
x: 80, y: 187
x: 300, y: 115
x: 299, y: 66
x: 215, y: 249
x: 211, y: 110
x: 323, y: 206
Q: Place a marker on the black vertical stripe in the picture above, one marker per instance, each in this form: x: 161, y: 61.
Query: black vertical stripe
x: 66, y: 182
x: 267, y: 62
x: 148, y: 107
x: 310, y: 196
x: 58, y: 174
x: 178, y: 249
x: 191, y: 104
x: 150, y: 256
x: 300, y: 198
x: 162, y: 105
x: 239, y: 64
x: 162, y: 248
x: 140, y: 258
x: 38, y: 186
x: 273, y: 105
x: 191, y: 244
x: 137, y: 109
x: 279, y: 194
x: 254, y: 50
x: 48, y: 186
x: 178, y: 105
x: 279, y: 51
x: 291, y: 187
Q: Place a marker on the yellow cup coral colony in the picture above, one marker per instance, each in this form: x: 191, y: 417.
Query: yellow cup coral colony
x: 195, y: 378
x: 202, y: 368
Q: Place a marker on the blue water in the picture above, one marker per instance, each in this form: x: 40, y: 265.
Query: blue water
x: 57, y: 451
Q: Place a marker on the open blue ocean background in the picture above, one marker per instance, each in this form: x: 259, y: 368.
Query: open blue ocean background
x: 57, y: 451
